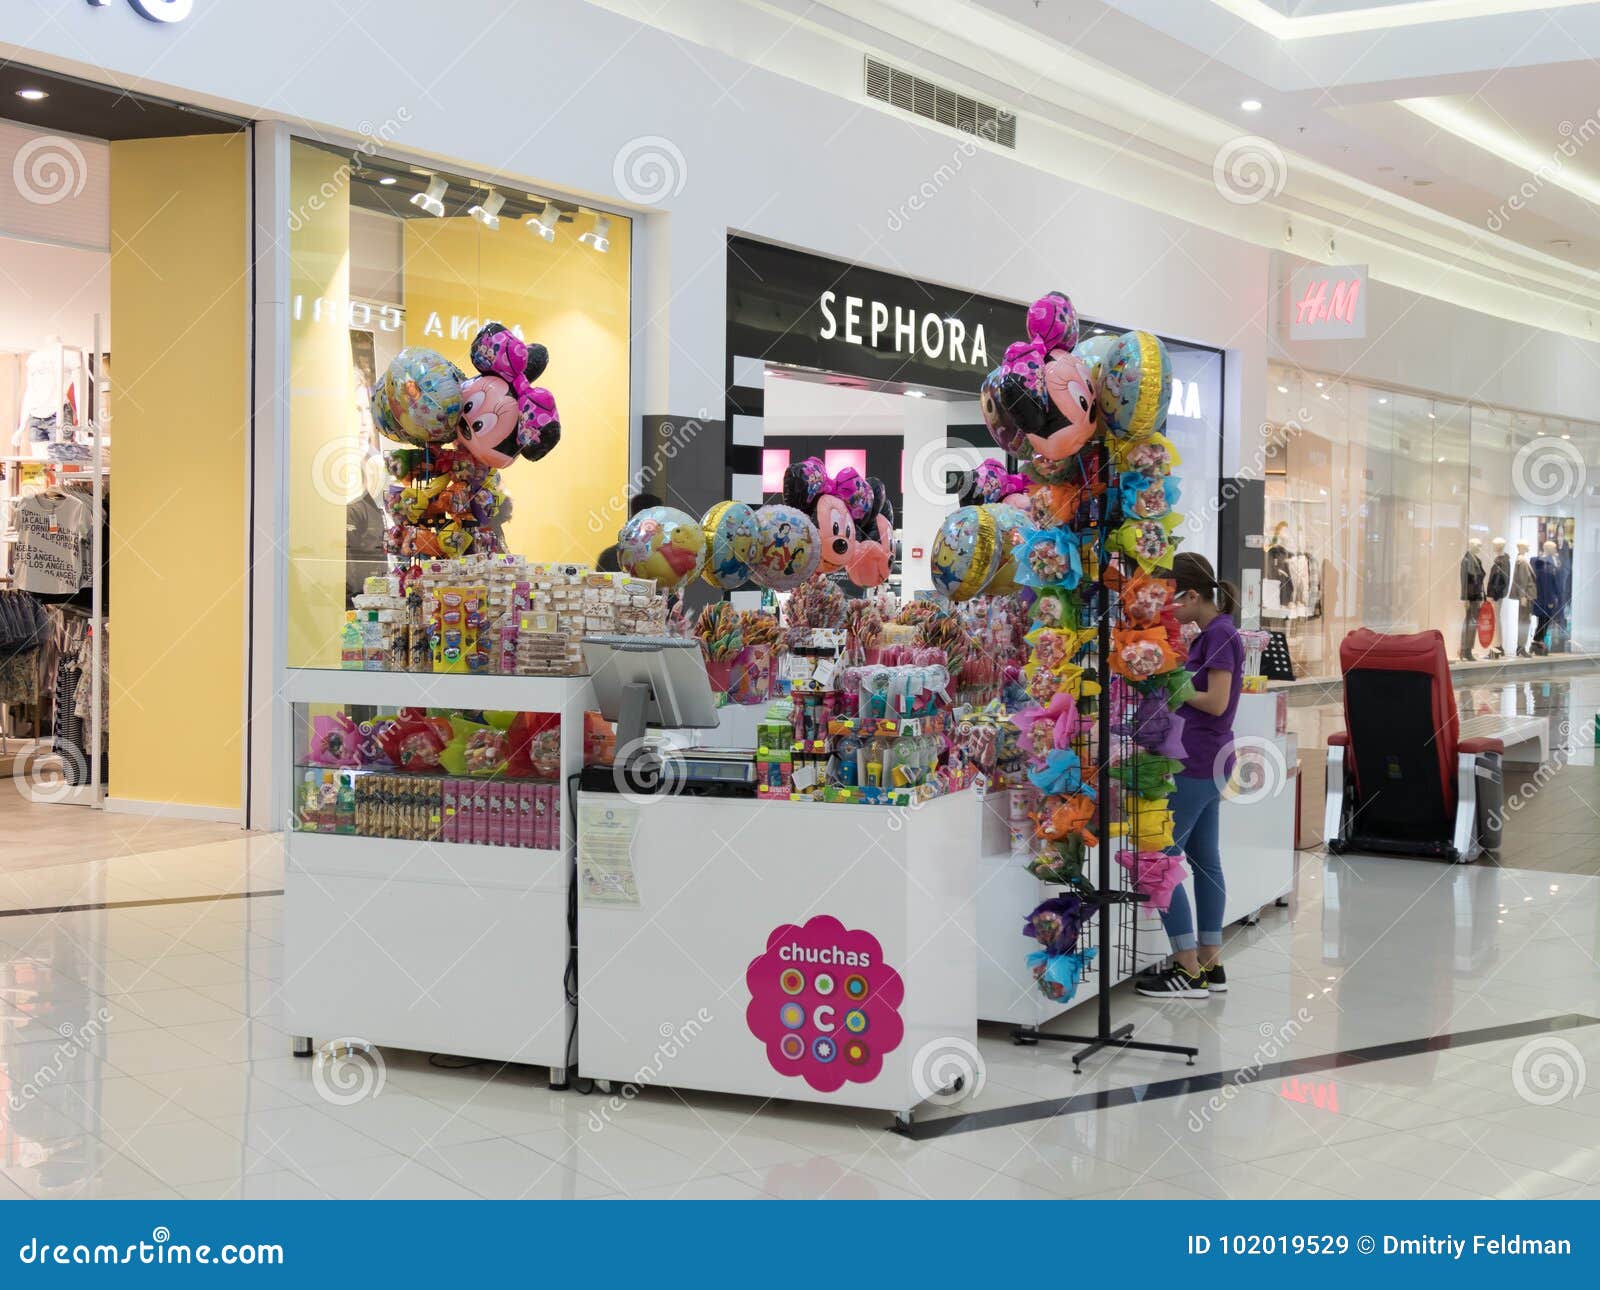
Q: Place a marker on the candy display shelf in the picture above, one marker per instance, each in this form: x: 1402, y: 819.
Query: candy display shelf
x: 440, y: 947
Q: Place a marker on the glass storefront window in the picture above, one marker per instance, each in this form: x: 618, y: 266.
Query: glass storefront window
x: 1375, y: 497
x: 384, y: 256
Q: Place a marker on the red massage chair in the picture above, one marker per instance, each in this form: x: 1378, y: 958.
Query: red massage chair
x: 1401, y: 780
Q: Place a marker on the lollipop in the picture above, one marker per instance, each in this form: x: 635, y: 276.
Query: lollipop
x: 418, y: 400
x: 662, y: 543
x: 788, y: 548
x: 731, y: 533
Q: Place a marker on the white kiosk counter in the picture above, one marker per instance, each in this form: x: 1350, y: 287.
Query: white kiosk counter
x: 808, y: 951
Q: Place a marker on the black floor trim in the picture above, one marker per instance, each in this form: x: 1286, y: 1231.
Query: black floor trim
x: 1022, y: 1113
x: 136, y: 904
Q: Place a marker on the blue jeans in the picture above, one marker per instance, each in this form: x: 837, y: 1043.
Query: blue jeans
x: 1195, y: 809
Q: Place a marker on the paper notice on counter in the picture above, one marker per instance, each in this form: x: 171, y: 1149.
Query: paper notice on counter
x: 605, y: 854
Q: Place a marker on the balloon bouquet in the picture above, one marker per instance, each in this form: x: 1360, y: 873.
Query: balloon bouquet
x: 1096, y: 535
x: 445, y: 496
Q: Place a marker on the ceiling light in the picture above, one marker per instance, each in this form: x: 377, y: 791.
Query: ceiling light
x: 916, y: 394
x: 1493, y: 138
x: 599, y: 236
x: 1250, y: 105
x: 1385, y: 399
x: 1326, y: 396
x: 1283, y: 389
x: 1566, y: 436
x: 488, y: 214
x: 1441, y: 461
x: 1319, y: 385
x: 32, y: 95
x: 432, y: 201
x: 386, y: 180
x: 545, y: 224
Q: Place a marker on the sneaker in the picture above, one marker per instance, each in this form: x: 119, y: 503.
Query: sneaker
x: 1216, y: 978
x: 1174, y: 983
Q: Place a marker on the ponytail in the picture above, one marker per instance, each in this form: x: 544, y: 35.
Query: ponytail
x: 1193, y: 572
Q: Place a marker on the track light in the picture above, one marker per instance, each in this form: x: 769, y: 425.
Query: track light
x: 488, y: 214
x: 599, y: 236
x: 545, y: 224
x: 33, y: 95
x: 386, y: 180
x: 432, y: 201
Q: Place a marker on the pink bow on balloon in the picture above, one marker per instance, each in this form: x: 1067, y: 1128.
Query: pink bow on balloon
x: 851, y: 489
x: 508, y: 359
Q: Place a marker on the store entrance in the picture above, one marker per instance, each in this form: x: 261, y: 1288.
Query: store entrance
x: 91, y: 231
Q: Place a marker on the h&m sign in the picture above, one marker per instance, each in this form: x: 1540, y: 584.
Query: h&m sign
x: 1328, y: 302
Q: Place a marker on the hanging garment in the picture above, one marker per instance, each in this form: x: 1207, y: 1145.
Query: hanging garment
x: 53, y: 533
x: 1471, y: 576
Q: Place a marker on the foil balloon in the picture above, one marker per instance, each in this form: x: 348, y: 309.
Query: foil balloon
x: 965, y: 553
x: 731, y: 533
x: 1093, y: 352
x: 1009, y: 523
x: 418, y: 400
x: 1053, y: 322
x: 788, y: 548
x: 663, y: 543
x: 1012, y: 409
x: 1134, y: 388
x: 1069, y: 384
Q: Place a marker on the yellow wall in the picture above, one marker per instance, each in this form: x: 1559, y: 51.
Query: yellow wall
x: 179, y: 407
x: 574, y: 301
x: 324, y: 434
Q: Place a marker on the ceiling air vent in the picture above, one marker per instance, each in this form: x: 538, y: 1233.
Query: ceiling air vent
x: 937, y: 103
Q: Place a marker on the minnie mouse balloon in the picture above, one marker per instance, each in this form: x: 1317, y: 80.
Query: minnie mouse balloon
x: 663, y: 543
x: 1074, y: 396
x: 788, y: 548
x: 731, y: 534
x: 503, y: 414
x: 419, y: 398
x: 1053, y: 322
x: 1012, y: 409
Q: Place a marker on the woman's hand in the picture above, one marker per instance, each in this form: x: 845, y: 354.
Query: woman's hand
x: 1213, y: 700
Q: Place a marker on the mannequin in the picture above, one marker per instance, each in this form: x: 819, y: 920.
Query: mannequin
x: 1498, y: 585
x: 1472, y: 583
x: 49, y: 397
x: 1548, y: 599
x: 1522, y: 591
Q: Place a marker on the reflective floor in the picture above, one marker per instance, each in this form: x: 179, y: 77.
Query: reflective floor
x: 1431, y: 1019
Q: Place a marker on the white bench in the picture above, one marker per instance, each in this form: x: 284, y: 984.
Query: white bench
x: 1526, y: 739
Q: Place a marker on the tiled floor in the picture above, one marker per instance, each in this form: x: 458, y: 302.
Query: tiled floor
x: 143, y: 1053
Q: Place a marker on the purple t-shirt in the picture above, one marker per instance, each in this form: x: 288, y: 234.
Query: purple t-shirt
x: 1205, y: 737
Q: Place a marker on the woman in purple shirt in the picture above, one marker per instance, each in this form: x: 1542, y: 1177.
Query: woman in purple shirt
x: 1216, y: 661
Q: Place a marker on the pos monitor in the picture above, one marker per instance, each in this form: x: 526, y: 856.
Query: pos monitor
x: 645, y: 681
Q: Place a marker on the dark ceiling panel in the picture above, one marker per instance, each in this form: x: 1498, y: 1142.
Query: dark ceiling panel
x: 98, y: 111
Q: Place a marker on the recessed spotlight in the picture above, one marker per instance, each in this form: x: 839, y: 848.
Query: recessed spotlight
x: 432, y: 201
x: 488, y: 213
x: 1441, y: 461
x: 386, y: 180
x: 1319, y: 385
x: 916, y: 394
x: 1566, y: 436
x: 1327, y: 396
x: 1250, y: 105
x: 32, y: 95
x: 1385, y: 399
x: 545, y: 224
x: 599, y: 236
x: 1283, y: 389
